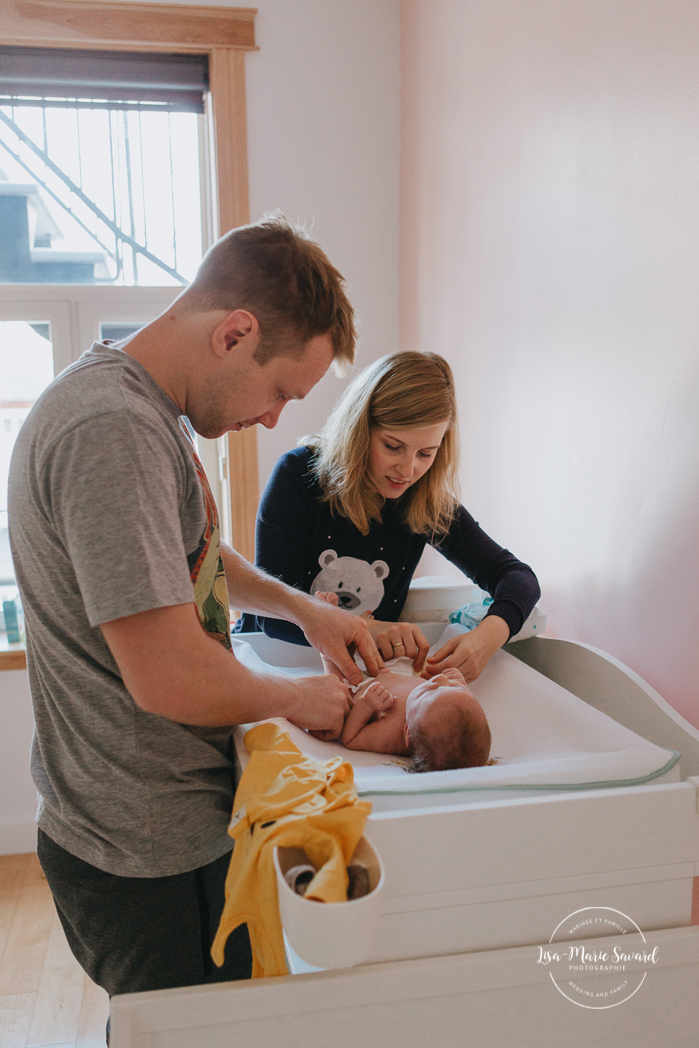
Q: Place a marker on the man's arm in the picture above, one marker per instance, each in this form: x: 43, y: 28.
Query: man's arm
x: 335, y: 633
x: 171, y: 667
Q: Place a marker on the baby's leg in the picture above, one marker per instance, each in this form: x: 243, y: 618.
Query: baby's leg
x: 328, y: 666
x: 454, y: 674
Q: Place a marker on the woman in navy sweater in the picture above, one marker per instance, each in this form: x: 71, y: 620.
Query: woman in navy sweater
x: 351, y: 511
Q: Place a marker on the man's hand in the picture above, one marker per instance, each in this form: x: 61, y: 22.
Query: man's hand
x: 393, y: 639
x: 337, y: 635
x: 321, y: 705
x: 471, y: 652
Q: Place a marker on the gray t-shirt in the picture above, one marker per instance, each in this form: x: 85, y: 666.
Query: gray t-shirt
x: 110, y: 515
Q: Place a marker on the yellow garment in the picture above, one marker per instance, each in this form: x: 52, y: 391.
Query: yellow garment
x: 285, y: 799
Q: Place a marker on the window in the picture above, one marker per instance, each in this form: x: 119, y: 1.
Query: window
x: 76, y: 313
x: 102, y: 166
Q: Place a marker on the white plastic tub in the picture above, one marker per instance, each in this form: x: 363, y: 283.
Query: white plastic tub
x: 330, y: 935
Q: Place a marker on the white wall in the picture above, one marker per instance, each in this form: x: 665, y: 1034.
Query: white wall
x: 550, y: 222
x: 323, y: 145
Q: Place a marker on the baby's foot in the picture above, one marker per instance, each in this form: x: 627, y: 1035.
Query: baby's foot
x: 329, y: 598
x: 378, y: 698
x: 453, y: 674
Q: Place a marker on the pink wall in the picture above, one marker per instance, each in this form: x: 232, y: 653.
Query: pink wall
x: 550, y: 250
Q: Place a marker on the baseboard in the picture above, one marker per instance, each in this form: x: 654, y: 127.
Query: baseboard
x: 17, y: 838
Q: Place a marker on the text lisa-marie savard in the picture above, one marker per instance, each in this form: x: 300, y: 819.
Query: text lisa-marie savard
x: 584, y: 956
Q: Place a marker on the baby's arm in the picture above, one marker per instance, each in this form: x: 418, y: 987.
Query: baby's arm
x: 360, y: 732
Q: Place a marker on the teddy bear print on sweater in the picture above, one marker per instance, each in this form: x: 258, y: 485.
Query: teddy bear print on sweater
x: 357, y: 583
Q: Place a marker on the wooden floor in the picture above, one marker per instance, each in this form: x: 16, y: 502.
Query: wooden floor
x: 45, y: 997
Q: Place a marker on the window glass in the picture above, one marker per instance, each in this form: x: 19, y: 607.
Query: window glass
x: 116, y: 331
x: 100, y: 195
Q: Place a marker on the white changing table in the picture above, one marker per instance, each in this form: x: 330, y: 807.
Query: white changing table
x: 472, y: 889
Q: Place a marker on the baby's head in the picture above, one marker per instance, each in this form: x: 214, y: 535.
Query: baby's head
x: 445, y: 726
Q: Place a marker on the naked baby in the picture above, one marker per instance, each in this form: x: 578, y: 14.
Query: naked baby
x: 439, y: 722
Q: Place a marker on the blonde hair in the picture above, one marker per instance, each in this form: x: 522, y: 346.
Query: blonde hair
x: 405, y: 390
x: 285, y: 280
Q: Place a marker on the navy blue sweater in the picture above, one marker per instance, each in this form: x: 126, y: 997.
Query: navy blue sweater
x: 299, y: 541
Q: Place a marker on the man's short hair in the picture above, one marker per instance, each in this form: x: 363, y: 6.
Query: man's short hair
x: 274, y: 271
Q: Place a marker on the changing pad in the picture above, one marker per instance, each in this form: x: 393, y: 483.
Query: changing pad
x: 544, y: 738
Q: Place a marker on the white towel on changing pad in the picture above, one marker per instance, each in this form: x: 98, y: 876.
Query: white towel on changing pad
x: 543, y: 737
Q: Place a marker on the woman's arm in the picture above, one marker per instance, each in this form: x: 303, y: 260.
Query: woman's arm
x: 512, y: 585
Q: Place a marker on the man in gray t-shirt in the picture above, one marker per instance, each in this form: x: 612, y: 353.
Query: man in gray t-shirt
x: 125, y: 586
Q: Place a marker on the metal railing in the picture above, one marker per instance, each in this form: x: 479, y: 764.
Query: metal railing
x: 119, y: 225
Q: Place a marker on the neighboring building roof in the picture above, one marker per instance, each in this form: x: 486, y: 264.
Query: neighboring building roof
x: 45, y: 223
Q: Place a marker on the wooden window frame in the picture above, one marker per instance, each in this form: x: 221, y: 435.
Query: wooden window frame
x: 224, y: 34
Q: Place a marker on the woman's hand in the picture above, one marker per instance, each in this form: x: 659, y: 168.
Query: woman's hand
x: 397, y: 639
x: 471, y: 652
